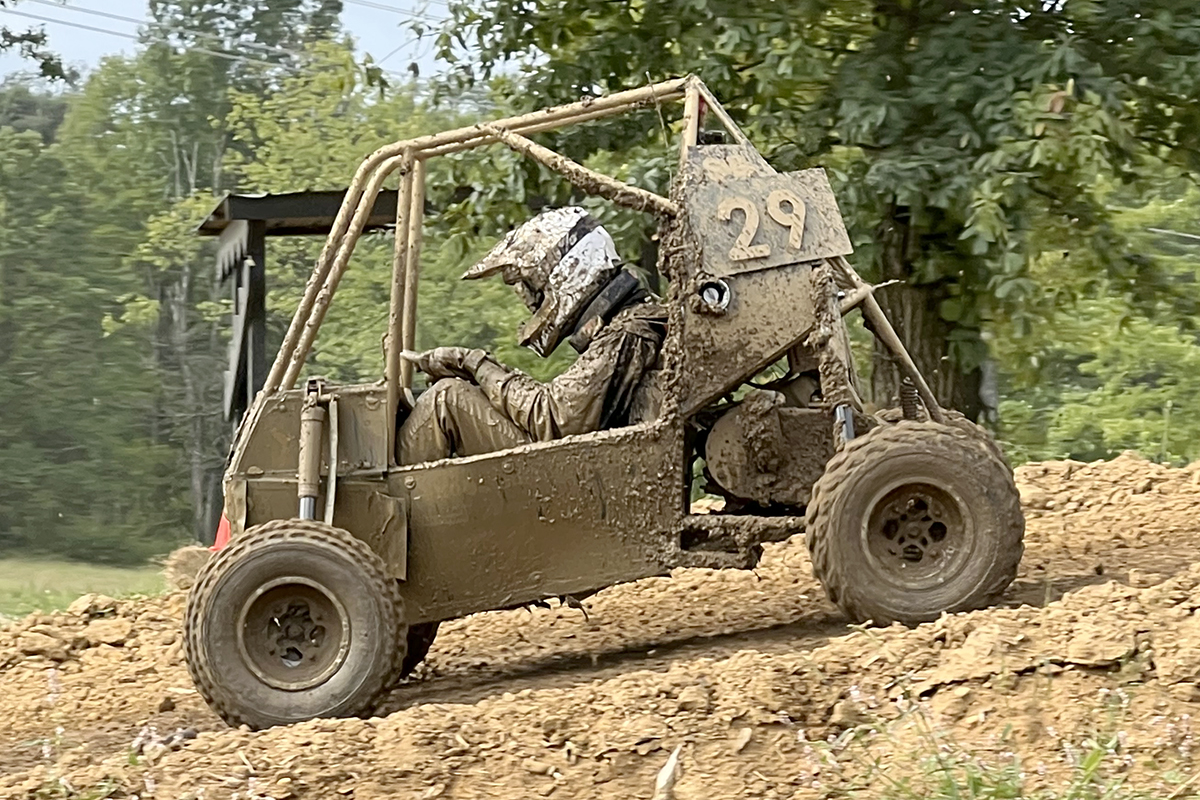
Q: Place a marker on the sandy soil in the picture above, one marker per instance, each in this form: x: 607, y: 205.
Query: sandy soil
x: 753, y: 677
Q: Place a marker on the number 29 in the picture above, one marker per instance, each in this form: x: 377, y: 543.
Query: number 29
x: 791, y: 218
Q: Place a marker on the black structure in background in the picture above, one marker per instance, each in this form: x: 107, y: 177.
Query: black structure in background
x: 242, y: 224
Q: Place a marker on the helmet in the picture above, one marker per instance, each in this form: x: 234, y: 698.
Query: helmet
x: 557, y: 263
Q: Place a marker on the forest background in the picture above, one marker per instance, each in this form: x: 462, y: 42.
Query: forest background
x: 1026, y: 174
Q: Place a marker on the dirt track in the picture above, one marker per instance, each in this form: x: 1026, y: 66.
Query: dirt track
x: 750, y: 672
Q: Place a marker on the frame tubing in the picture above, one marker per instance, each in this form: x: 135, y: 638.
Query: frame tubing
x: 891, y: 340
x: 399, y: 266
x: 620, y: 193
x: 720, y: 113
x: 320, y: 304
x: 298, y: 339
x: 691, y: 121
x: 416, y: 218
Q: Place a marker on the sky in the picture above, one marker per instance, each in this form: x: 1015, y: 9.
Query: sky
x: 379, y: 26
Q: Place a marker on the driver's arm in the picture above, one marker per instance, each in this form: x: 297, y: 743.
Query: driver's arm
x: 580, y: 400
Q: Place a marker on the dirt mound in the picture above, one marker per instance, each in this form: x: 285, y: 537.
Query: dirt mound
x: 1108, y: 518
x: 753, y: 674
x: 182, y: 565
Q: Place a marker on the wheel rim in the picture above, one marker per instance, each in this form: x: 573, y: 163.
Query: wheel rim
x: 918, y: 535
x: 293, y: 633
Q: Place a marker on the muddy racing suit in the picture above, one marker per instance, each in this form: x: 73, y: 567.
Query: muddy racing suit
x: 493, y: 407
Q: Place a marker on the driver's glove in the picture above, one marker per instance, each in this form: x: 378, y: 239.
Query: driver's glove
x: 443, y: 362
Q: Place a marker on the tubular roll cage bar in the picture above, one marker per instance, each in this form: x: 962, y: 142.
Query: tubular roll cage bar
x: 409, y: 158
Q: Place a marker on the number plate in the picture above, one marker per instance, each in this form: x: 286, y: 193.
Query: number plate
x: 749, y: 224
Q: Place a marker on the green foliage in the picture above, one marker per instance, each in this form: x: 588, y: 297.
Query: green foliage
x: 1019, y: 166
x: 31, y: 45
x: 1103, y: 364
x: 310, y: 135
x: 82, y: 474
x: 964, y: 138
x: 27, y: 106
x: 111, y: 321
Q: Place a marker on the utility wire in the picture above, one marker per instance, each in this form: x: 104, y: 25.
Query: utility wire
x: 1170, y: 232
x: 402, y: 12
x: 173, y: 28
x: 397, y: 49
x: 136, y: 38
x: 158, y: 39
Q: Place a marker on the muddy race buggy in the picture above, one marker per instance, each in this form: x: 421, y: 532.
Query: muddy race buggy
x: 342, y: 563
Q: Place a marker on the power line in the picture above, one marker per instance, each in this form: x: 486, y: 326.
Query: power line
x: 175, y: 29
x: 398, y: 48
x: 1180, y: 234
x: 136, y: 38
x: 402, y: 12
x: 161, y: 40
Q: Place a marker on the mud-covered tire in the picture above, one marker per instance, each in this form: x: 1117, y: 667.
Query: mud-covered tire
x: 295, y: 619
x: 955, y: 419
x: 420, y: 639
x: 914, y: 519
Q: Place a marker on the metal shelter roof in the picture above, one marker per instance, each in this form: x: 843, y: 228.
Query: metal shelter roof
x: 293, y: 213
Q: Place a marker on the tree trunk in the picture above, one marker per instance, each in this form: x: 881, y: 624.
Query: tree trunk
x: 914, y: 313
x: 180, y: 294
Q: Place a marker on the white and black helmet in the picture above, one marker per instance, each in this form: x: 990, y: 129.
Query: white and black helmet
x: 557, y: 263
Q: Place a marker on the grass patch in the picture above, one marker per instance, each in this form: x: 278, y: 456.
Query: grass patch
x: 28, y: 585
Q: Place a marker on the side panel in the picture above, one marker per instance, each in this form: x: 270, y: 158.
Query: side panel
x: 767, y: 313
x: 273, y: 444
x: 260, y: 482
x: 363, y: 506
x: 546, y: 519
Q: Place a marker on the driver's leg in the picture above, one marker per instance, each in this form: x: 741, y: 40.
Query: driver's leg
x: 454, y: 418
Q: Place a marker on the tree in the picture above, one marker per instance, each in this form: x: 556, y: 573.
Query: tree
x: 955, y: 129
x: 31, y: 44
x: 82, y: 474
x: 149, y: 133
x: 1110, y: 364
x: 25, y: 106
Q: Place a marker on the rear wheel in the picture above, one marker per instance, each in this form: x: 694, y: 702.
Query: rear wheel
x: 955, y: 419
x: 293, y: 620
x: 914, y: 519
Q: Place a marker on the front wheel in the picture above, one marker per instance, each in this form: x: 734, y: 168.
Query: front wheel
x: 294, y: 619
x: 914, y: 519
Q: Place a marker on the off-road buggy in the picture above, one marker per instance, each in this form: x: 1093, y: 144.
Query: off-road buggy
x: 342, y: 564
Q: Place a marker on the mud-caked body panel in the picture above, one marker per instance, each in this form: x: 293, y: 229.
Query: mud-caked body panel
x: 546, y: 519
x: 741, y: 260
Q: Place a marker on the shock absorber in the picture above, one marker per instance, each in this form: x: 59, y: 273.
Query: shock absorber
x: 910, y: 400
x: 308, y: 474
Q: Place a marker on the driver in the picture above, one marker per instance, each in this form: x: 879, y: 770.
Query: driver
x: 563, y: 265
